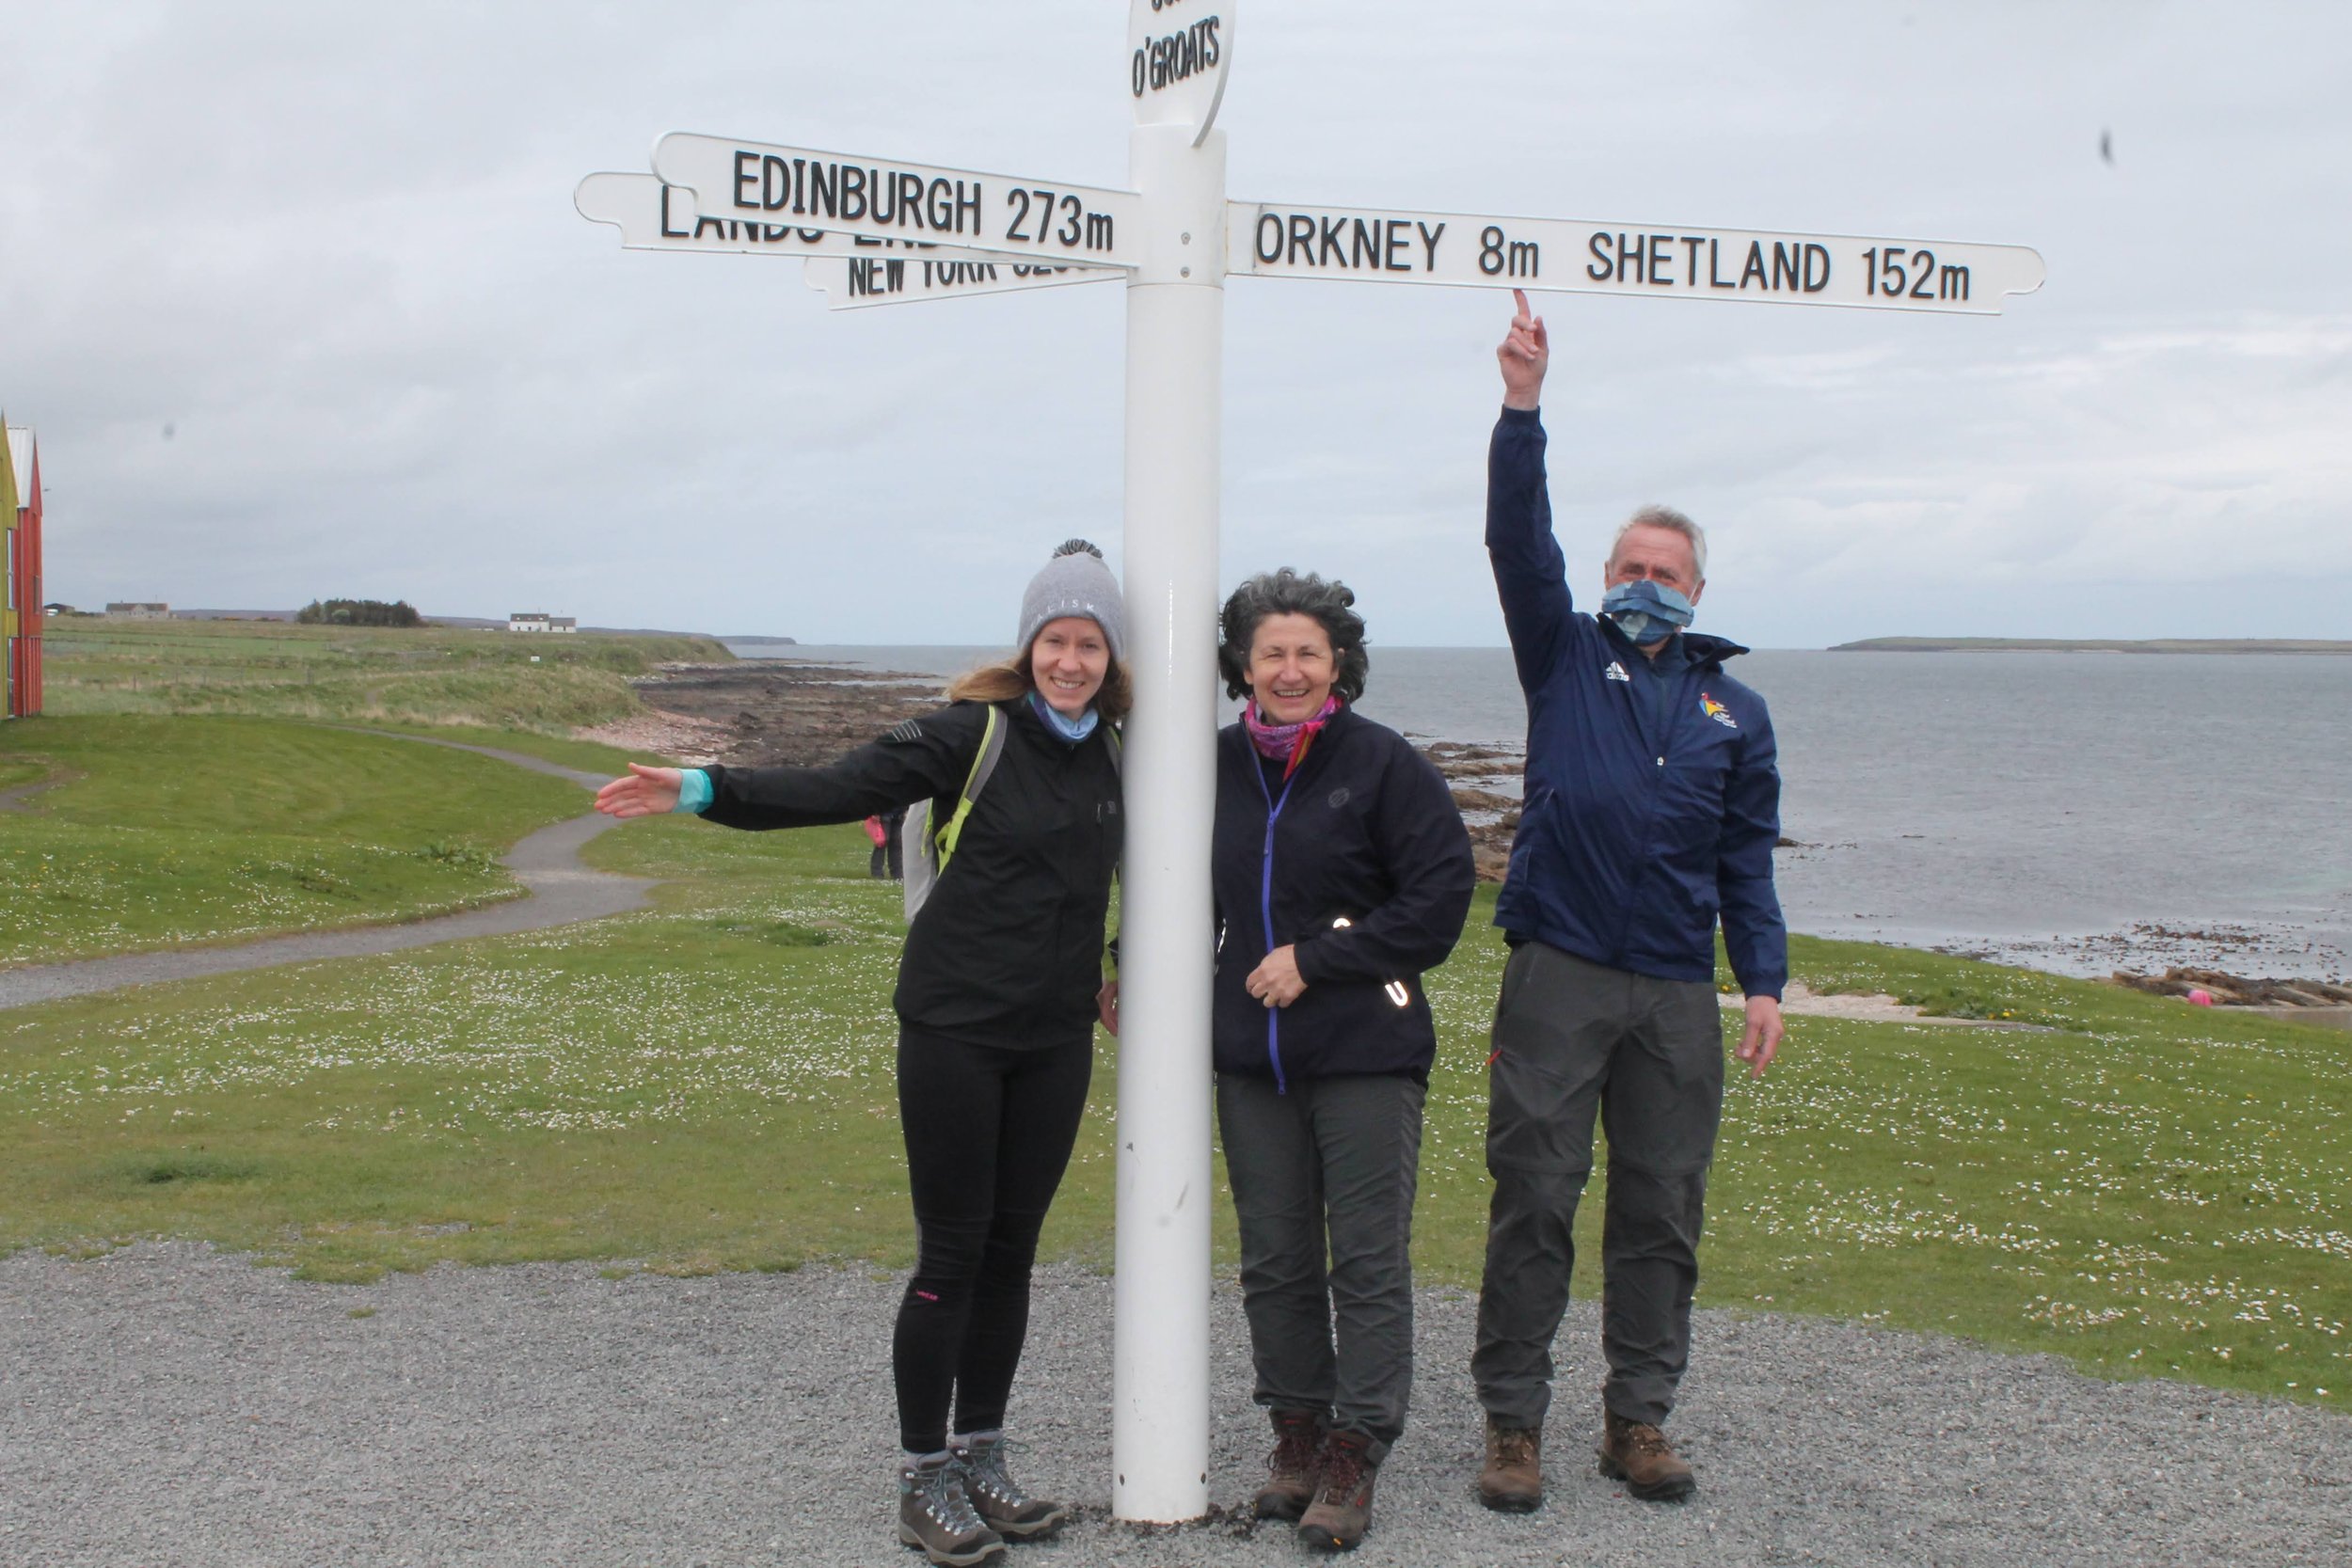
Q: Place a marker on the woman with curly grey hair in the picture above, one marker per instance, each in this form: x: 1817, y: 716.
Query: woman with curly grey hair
x: 1342, y: 871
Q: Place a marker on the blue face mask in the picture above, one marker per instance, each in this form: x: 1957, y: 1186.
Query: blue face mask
x: 1646, y: 611
x: 1061, y: 724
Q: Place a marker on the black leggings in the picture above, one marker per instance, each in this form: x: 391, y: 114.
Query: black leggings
x: 989, y: 1133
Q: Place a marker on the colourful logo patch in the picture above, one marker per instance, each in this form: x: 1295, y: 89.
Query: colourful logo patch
x: 1716, y: 711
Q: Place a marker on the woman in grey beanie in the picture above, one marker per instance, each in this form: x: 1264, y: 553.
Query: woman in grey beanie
x: 999, y: 989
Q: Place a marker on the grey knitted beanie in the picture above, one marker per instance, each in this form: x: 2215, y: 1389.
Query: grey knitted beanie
x: 1074, y: 582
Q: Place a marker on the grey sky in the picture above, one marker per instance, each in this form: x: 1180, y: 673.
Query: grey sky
x: 332, y: 248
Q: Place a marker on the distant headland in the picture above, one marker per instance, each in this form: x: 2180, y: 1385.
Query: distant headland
x: 2092, y: 645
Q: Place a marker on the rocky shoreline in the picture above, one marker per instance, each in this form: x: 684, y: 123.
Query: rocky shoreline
x: 760, y: 712
x: 754, y: 712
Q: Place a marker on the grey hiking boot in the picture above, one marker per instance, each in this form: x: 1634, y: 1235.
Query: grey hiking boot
x: 1294, y: 1466
x: 1342, y: 1509
x: 997, y: 1497
x: 934, y: 1513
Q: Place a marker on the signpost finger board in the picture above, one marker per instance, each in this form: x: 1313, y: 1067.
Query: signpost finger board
x: 1265, y: 239
x: 885, y: 198
x: 653, y: 216
x: 855, y: 282
x: 1179, y: 53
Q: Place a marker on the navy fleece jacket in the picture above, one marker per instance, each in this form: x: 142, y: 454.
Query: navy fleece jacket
x: 1644, y: 821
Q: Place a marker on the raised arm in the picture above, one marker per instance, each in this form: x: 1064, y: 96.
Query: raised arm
x: 1531, y: 576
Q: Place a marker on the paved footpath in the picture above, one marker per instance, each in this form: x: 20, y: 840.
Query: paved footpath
x: 547, y: 862
x: 170, y: 1405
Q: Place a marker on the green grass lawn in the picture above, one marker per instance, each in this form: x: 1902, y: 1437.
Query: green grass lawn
x: 2145, y: 1188
x: 426, y: 675
x: 197, y: 807
x: 168, y: 832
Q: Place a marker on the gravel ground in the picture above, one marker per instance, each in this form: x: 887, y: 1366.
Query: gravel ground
x: 170, y: 1405
x: 559, y: 891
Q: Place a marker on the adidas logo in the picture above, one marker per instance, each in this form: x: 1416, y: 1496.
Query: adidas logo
x: 1616, y: 672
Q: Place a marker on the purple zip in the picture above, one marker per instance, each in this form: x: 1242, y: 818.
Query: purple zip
x: 1265, y: 911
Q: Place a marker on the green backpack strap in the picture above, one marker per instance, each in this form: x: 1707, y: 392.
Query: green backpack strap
x: 1119, y: 866
x: 983, y: 764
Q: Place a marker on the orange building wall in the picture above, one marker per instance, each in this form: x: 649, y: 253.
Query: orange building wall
x: 21, y: 618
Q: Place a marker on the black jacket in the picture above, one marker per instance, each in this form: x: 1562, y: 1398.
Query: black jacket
x: 1008, y: 950
x: 1367, y: 831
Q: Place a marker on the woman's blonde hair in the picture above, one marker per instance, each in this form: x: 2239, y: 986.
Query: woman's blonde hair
x: 1013, y: 677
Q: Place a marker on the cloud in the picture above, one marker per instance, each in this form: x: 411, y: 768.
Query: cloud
x: 334, y: 250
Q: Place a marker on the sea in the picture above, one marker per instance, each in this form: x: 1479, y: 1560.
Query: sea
x: 2074, y: 812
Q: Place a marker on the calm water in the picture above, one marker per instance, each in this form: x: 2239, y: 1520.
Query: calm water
x: 2078, y: 811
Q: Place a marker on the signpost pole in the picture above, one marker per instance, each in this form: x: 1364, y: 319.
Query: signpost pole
x: 1175, y: 354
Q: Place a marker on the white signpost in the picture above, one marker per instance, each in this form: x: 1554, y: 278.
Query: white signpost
x: 852, y: 270
x: 1269, y: 241
x: 653, y: 216
x: 854, y: 282
x: 883, y: 199
x: 877, y: 230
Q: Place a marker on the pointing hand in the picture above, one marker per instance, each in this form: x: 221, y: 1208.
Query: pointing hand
x: 1525, y: 354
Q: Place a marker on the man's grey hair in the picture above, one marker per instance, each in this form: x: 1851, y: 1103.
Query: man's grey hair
x: 1667, y: 517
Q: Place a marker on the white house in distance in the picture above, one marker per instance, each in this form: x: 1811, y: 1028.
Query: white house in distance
x: 539, y: 620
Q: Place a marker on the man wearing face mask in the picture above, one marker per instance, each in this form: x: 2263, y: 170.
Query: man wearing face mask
x: 1651, y: 809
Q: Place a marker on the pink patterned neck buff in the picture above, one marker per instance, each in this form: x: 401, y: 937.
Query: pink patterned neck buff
x: 1286, y: 743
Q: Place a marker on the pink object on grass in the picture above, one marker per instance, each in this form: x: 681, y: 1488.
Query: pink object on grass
x: 2200, y: 998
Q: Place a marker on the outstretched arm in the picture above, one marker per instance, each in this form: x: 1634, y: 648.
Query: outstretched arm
x: 919, y: 760
x: 1531, y: 576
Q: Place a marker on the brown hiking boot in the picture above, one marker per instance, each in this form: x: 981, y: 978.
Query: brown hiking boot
x: 1638, y: 1454
x: 1342, y: 1509
x: 1294, y: 1466
x: 1513, y: 1480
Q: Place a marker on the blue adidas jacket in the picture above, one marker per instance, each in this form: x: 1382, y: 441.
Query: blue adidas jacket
x: 1642, y: 824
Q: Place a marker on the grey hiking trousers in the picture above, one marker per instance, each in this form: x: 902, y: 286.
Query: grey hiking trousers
x: 1571, y: 1039
x: 1332, y: 1164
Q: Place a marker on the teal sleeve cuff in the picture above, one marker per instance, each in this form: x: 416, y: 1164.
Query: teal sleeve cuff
x: 694, y: 791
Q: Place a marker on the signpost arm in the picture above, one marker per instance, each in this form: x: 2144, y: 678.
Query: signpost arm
x: 1175, y: 352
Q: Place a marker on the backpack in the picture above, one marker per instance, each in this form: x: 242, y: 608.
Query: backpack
x: 925, y: 853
